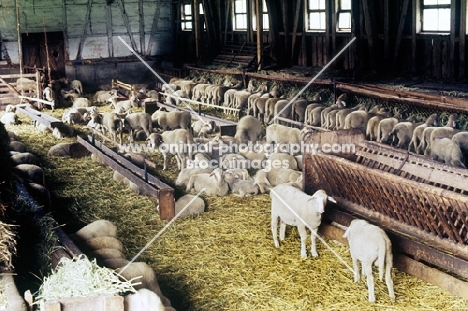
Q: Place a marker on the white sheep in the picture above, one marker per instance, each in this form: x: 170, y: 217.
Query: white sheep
x: 447, y: 151
x: 97, y: 228
x: 269, y: 177
x: 143, y: 299
x: 178, y: 142
x: 291, y: 206
x: 139, y: 272
x: 24, y: 158
x: 9, y: 118
x: 287, y: 139
x: 99, y: 243
x: 193, y: 205
x: 370, y: 244
x: 185, y: 173
x: 214, y: 183
x: 68, y: 149
x: 30, y: 172
x: 239, y: 185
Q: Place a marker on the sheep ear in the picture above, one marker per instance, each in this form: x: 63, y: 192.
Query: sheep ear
x: 331, y: 199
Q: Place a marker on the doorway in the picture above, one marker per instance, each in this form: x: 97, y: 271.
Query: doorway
x: 39, y: 55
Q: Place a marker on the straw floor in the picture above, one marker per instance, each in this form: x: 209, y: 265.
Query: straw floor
x: 223, y: 259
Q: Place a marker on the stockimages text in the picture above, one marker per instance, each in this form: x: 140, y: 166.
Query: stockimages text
x: 219, y: 159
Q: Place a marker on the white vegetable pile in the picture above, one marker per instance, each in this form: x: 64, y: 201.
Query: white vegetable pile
x: 80, y: 277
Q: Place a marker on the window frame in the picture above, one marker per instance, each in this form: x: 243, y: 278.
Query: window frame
x: 340, y: 11
x: 319, y: 11
x: 266, y: 23
x: 184, y: 21
x: 236, y: 14
x: 423, y: 7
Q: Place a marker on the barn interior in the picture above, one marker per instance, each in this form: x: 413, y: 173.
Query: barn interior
x: 399, y: 62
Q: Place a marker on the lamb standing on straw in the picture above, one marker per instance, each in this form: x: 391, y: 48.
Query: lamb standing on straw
x: 370, y: 244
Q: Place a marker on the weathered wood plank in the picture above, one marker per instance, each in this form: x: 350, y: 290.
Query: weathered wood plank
x: 85, y: 30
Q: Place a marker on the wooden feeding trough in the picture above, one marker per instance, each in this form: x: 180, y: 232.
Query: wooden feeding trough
x: 420, y: 203
x: 140, y: 176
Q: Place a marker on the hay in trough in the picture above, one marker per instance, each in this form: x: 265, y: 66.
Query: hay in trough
x: 81, y: 277
x: 224, y: 259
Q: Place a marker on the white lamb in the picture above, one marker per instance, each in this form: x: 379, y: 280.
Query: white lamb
x: 370, y: 244
x: 213, y: 183
x: 291, y: 206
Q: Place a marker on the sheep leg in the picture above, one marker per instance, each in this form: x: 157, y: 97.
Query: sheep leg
x: 165, y: 160
x: 313, y: 246
x: 357, y: 276
x: 389, y: 282
x: 274, y: 229
x: 367, y: 270
x: 303, y: 234
x: 282, y: 230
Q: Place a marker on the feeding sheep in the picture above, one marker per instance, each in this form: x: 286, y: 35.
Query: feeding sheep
x: 291, y: 206
x: 369, y: 244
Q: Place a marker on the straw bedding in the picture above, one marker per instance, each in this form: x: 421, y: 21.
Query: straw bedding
x: 223, y: 259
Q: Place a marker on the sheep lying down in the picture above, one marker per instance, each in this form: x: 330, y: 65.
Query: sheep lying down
x: 370, y: 244
x: 291, y: 206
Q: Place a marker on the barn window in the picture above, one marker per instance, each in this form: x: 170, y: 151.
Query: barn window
x: 343, y: 15
x: 186, y: 17
x: 435, y: 15
x: 316, y: 18
x: 240, y: 15
x: 266, y: 23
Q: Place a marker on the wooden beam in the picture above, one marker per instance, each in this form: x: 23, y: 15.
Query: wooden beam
x: 127, y: 24
x: 296, y: 22
x: 196, y: 28
x: 227, y: 19
x: 286, y: 30
x: 141, y: 25
x: 401, y: 26
x: 66, y: 44
x: 259, y: 9
x: 369, y: 26
x: 110, y: 36
x: 85, y: 30
x: 154, y: 27
x: 414, y: 20
x: 452, y: 43
x: 386, y: 26
x: 462, y: 38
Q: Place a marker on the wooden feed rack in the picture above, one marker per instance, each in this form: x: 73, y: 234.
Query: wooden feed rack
x: 420, y: 203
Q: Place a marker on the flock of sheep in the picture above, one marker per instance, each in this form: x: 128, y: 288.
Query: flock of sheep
x: 274, y: 170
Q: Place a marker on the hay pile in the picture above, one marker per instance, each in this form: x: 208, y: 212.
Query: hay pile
x: 225, y: 258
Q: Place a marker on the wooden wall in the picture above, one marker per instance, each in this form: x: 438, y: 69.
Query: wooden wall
x: 91, y: 28
x: 387, y: 39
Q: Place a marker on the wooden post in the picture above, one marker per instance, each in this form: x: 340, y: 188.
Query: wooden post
x: 196, y: 28
x: 166, y: 204
x: 462, y: 37
x: 127, y: 24
x: 141, y: 23
x: 414, y: 20
x: 286, y: 30
x: 400, y: 30
x: 386, y: 18
x: 259, y: 9
x: 369, y: 26
x: 294, y: 34
x: 65, y: 31
x: 453, y: 30
x: 85, y: 30
x: 228, y: 11
x: 154, y: 26
x: 110, y: 41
